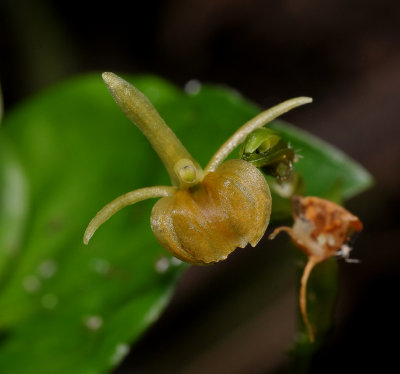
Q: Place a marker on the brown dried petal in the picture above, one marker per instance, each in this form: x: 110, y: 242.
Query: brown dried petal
x: 321, y: 228
x: 330, y: 223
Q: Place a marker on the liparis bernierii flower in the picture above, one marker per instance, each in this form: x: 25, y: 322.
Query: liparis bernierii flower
x: 206, y: 213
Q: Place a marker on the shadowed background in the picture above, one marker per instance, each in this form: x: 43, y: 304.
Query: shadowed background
x: 346, y: 55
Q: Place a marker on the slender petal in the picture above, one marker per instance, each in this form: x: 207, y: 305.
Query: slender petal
x: 240, y: 135
x: 121, y: 202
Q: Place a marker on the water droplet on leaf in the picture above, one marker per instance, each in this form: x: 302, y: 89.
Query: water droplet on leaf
x: 162, y: 265
x: 31, y: 283
x: 99, y: 265
x: 176, y: 261
x: 121, y: 350
x: 47, y: 269
x: 49, y: 301
x: 192, y: 87
x: 94, y: 322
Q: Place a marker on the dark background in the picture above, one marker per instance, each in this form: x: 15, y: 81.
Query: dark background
x: 346, y: 55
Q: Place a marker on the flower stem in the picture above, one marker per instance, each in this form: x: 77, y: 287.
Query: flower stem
x: 312, y: 261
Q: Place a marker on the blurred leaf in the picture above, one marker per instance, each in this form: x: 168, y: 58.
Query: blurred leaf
x: 1, y: 105
x: 13, y: 207
x: 67, y: 308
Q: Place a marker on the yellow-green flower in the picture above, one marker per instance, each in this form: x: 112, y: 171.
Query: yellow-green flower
x: 206, y: 214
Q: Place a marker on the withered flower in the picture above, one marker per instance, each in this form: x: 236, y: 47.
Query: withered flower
x: 208, y: 213
x: 321, y: 229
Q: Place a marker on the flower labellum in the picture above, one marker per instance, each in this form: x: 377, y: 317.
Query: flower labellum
x: 206, y: 214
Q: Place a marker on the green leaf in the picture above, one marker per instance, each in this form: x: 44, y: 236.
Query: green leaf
x: 65, y: 153
x: 13, y: 206
x: 1, y: 105
x: 66, y: 307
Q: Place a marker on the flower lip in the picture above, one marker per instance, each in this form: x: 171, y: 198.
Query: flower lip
x: 230, y: 208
